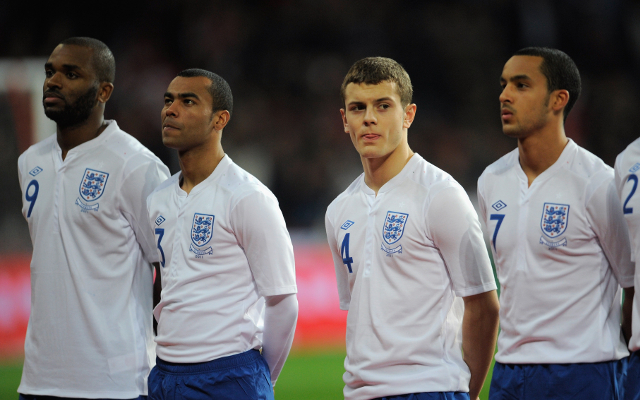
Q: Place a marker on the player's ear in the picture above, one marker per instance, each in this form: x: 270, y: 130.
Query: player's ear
x: 104, y: 91
x: 344, y: 120
x: 409, y: 115
x: 560, y: 99
x: 220, y: 119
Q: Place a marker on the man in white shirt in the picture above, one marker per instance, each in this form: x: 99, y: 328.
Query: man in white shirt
x: 626, y: 173
x: 407, y: 245
x: 228, y: 278
x: 559, y: 242
x: 83, y: 191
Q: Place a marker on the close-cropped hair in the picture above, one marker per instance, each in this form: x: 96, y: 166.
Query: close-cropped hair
x: 373, y: 70
x: 560, y: 70
x: 103, y: 61
x: 219, y: 88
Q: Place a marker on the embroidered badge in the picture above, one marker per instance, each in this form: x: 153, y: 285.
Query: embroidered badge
x: 91, y: 189
x: 554, y: 222
x: 35, y: 171
x: 498, y: 205
x: 201, y: 230
x: 347, y: 225
x: 392, y: 231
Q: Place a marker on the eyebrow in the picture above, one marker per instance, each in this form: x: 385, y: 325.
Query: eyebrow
x: 68, y: 67
x: 516, y: 78
x: 182, y: 95
x: 375, y: 101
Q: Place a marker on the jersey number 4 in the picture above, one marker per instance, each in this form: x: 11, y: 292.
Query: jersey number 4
x: 625, y: 209
x: 499, y: 218
x: 344, y: 250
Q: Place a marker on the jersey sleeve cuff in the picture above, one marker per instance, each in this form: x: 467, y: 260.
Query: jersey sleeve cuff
x: 279, y: 290
x: 626, y: 281
x: 466, y: 292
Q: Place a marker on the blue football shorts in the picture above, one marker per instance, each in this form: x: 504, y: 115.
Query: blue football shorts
x: 588, y: 381
x: 37, y: 397
x: 237, y: 377
x: 632, y: 379
x: 429, y: 396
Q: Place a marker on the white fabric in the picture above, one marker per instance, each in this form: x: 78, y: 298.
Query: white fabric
x: 280, y: 316
x: 89, y: 332
x: 403, y: 295
x: 559, y: 299
x: 213, y: 291
x: 628, y: 165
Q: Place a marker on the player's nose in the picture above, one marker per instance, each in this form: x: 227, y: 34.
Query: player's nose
x: 370, y: 116
x: 53, y: 81
x: 504, y: 95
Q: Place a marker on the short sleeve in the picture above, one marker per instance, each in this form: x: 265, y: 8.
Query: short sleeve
x: 137, y: 185
x: 605, y: 215
x: 261, y: 231
x: 342, y: 277
x: 455, y: 229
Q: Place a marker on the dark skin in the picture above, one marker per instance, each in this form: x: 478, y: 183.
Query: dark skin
x: 69, y: 73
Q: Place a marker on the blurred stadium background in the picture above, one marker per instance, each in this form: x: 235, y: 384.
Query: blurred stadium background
x: 285, y: 61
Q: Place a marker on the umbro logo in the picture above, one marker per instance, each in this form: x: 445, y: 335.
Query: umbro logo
x: 347, y: 225
x: 35, y: 171
x: 498, y: 205
x: 160, y: 220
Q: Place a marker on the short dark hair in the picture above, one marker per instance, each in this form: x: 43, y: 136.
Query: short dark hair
x: 559, y: 69
x: 103, y: 61
x: 373, y: 70
x: 219, y: 88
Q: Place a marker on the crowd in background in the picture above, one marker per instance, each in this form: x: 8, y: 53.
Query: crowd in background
x: 285, y: 61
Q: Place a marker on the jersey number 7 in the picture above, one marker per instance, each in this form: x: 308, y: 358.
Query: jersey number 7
x: 499, y: 218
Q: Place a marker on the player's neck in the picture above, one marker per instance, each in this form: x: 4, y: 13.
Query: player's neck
x: 74, y: 136
x: 198, y: 163
x: 378, y: 171
x: 540, y: 151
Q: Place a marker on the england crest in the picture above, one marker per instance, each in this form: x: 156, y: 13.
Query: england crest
x: 393, y: 227
x: 555, y: 219
x: 201, y: 229
x: 92, y: 184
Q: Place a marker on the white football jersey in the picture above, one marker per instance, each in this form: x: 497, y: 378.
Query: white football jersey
x: 89, y: 332
x: 224, y: 247
x: 561, y: 250
x: 626, y: 171
x: 403, y: 259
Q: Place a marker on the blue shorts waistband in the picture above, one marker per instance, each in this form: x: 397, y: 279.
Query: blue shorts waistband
x: 218, y: 364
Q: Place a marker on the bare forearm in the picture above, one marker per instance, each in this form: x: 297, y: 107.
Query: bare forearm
x: 627, y: 308
x: 157, y: 288
x: 479, y: 333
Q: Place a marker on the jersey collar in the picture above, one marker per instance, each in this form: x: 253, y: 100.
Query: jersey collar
x: 219, y: 171
x: 396, y: 180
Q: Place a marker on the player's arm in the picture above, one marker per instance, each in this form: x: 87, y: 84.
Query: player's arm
x: 454, y: 227
x: 627, y: 311
x: 260, y: 229
x: 280, y: 317
x: 157, y: 289
x: 479, y: 333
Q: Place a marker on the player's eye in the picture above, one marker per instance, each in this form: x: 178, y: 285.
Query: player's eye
x: 167, y: 101
x: 48, y: 73
x: 384, y: 106
x: 189, y: 102
x: 72, y: 75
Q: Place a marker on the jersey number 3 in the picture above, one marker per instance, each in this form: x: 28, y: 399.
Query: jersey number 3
x: 160, y: 233
x: 344, y: 250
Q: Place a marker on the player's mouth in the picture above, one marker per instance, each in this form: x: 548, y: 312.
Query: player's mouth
x: 506, y: 115
x: 52, y: 98
x: 370, y: 136
x: 168, y: 127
